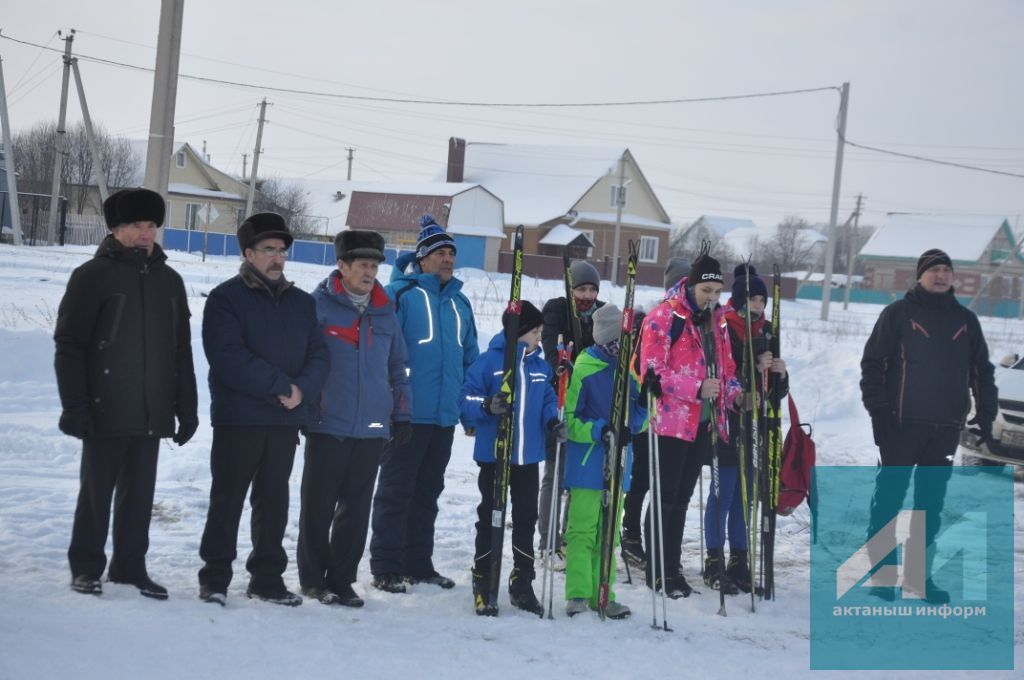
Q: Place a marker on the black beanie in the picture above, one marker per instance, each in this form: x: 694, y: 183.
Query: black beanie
x: 739, y: 286
x: 705, y: 268
x: 529, y: 318
x: 930, y: 258
x: 133, y: 205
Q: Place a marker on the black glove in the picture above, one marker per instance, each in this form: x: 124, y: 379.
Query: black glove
x: 401, y: 432
x: 186, y: 428
x: 983, y: 431
x: 559, y: 430
x: 883, y: 426
x: 496, y: 404
x: 652, y: 383
x: 608, y: 436
x: 76, y: 422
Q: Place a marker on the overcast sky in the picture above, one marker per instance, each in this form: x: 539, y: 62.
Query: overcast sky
x: 935, y: 78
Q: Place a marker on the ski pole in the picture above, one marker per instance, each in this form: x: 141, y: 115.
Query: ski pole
x: 548, y: 584
x: 657, y: 539
x: 711, y: 361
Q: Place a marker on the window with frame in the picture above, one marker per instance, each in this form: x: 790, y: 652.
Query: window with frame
x: 192, y: 220
x: 613, y: 194
x: 590, y: 235
x: 649, y: 248
x: 239, y: 217
x: 179, y: 159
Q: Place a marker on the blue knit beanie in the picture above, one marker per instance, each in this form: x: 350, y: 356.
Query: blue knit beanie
x: 739, y: 286
x: 432, y: 237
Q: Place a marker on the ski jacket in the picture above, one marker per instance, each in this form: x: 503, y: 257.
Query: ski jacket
x: 259, y: 341
x: 367, y: 387
x: 588, y: 404
x: 925, y: 356
x: 534, y: 404
x: 440, y: 337
x: 680, y: 366
x: 556, y: 321
x: 124, y: 344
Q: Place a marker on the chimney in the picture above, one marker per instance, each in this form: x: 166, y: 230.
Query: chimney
x: 456, y: 159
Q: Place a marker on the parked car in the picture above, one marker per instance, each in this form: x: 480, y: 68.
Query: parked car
x: 1008, y: 428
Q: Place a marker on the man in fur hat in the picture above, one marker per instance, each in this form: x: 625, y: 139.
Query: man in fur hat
x: 268, y: 362
x: 365, y: 404
x: 124, y: 373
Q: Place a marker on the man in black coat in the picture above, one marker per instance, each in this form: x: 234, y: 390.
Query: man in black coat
x: 124, y: 373
x: 267, y: 356
x: 925, y: 355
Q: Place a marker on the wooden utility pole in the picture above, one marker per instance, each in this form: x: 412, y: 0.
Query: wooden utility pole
x: 620, y: 202
x: 245, y: 164
x: 830, y: 252
x: 350, y: 152
x: 12, y: 179
x: 59, y: 146
x: 256, y: 158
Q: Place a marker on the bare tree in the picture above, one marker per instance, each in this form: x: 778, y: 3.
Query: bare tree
x: 292, y: 202
x: 686, y: 242
x: 34, y: 154
x: 792, y: 246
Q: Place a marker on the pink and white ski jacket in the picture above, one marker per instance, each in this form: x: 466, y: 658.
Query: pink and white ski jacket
x: 681, y: 367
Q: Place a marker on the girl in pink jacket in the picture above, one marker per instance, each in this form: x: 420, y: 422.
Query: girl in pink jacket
x: 689, y: 402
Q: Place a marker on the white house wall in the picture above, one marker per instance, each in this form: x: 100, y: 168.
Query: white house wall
x: 639, y: 201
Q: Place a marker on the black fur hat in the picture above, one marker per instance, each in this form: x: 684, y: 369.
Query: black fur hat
x: 353, y: 243
x: 263, y: 226
x: 133, y: 205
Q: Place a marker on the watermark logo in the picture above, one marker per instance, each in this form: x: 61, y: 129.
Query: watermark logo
x: 912, y: 569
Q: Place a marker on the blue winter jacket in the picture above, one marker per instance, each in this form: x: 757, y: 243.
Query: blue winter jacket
x: 588, y: 404
x: 535, y: 402
x: 258, y: 344
x: 440, y: 337
x: 367, y: 386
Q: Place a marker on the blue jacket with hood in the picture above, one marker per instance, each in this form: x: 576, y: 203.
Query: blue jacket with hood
x: 535, y: 402
x: 367, y: 387
x: 440, y: 337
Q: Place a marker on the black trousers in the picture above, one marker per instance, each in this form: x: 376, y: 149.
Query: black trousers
x: 240, y: 457
x: 680, y: 463
x: 337, y: 489
x: 912, y: 447
x: 122, y: 468
x: 639, y: 485
x: 523, y: 485
x: 405, y: 505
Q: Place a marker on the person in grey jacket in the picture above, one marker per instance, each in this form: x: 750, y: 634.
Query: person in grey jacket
x: 365, y: 404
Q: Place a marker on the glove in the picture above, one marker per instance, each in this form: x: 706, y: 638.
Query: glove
x: 76, y: 422
x: 608, y: 436
x: 559, y: 430
x: 883, y: 426
x: 186, y: 428
x: 983, y: 431
x: 401, y: 432
x: 652, y: 382
x: 496, y: 404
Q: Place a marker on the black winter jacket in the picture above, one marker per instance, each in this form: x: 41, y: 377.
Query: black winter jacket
x: 925, y: 355
x: 124, y: 345
x: 258, y: 343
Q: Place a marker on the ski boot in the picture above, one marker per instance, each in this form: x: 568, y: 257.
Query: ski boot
x: 712, y: 576
x: 633, y: 551
x: 520, y: 592
x: 738, y: 571
x: 480, y: 595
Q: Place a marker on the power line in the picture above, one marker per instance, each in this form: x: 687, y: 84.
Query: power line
x: 439, y: 102
x: 933, y: 160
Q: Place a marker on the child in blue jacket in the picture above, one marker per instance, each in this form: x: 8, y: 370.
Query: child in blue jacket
x: 535, y: 413
x: 588, y: 404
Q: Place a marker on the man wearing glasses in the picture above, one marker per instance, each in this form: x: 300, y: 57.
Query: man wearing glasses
x: 266, y: 356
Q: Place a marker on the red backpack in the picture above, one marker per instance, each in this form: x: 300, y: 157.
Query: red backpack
x: 795, y: 476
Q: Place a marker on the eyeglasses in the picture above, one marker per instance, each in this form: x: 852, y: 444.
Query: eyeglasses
x: 273, y: 252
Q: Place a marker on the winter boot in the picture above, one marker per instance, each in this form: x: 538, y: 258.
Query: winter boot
x: 322, y: 595
x: 146, y: 586
x: 389, y: 583
x: 633, y: 551
x: 712, y: 574
x: 275, y: 595
x: 208, y: 593
x: 575, y: 606
x: 615, y: 610
x: 520, y: 592
x: 433, y: 578
x: 87, y: 585
x: 738, y: 570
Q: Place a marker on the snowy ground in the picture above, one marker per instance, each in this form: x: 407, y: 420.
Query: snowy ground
x: 47, y: 631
